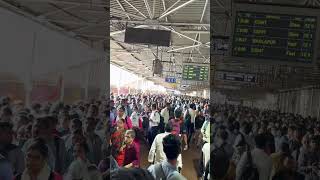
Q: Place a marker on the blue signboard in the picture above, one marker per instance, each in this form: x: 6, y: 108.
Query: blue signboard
x: 171, y: 80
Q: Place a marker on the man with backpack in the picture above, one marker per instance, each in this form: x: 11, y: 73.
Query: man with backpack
x: 156, y: 153
x: 167, y: 170
x: 219, y: 156
x: 255, y: 165
x: 222, y: 142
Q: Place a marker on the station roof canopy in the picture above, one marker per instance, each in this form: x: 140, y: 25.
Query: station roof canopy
x: 189, y: 23
x: 85, y: 20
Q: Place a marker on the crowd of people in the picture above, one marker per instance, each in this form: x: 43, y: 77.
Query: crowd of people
x: 236, y: 142
x: 165, y: 124
x: 102, y: 139
x: 262, y: 144
x: 53, y: 141
x: 95, y: 139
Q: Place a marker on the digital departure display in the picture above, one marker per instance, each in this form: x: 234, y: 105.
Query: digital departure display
x: 274, y: 36
x: 195, y: 73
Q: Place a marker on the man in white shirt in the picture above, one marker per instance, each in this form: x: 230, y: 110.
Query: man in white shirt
x: 156, y: 153
x: 205, y: 130
x: 190, y: 126
x: 153, y: 124
x: 135, y: 116
x: 165, y: 113
x: 260, y: 159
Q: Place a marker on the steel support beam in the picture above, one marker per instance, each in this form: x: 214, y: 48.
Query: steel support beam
x: 102, y: 23
x: 164, y: 8
x: 162, y: 23
x: 182, y: 48
x: 67, y: 3
x: 176, y: 9
x: 69, y: 13
x: 135, y: 8
x: 146, y: 3
x: 194, y: 31
x: 93, y: 36
x: 205, y: 58
x: 76, y: 22
x: 57, y: 11
x: 184, y: 53
x: 153, y: 8
x: 172, y: 6
x: 194, y: 43
x: 119, y: 3
x: 126, y: 13
x: 220, y: 4
x: 187, y: 37
x: 204, y: 10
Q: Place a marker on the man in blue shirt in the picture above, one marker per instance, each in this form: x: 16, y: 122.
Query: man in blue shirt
x: 168, y: 169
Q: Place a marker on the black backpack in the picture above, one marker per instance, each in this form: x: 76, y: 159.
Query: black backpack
x: 219, y: 163
x: 250, y: 171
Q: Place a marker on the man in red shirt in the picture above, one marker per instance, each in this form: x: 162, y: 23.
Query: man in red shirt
x: 130, y: 151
